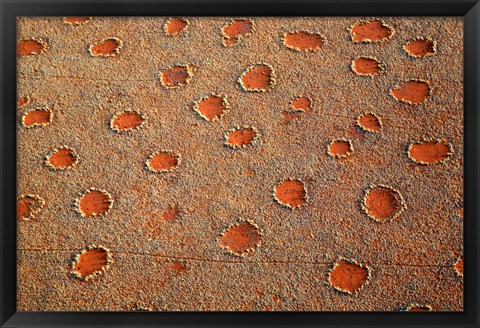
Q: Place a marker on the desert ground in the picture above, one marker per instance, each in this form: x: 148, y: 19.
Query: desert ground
x: 240, y: 164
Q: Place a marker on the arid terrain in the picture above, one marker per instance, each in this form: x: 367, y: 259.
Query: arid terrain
x: 240, y: 164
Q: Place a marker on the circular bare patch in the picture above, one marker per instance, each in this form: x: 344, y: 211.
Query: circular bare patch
x: 290, y: 193
x: 29, y: 207
x: 301, y: 103
x: 412, y: 92
x: 241, y: 238
x: 77, y: 20
x: 383, y: 203
x: 37, y: 118
x: 176, y: 76
x: 211, y: 107
x: 348, y: 276
x: 236, y: 30
x: 367, y: 66
x: 163, y: 161
x: 91, y: 262
x: 340, y: 148
x: 420, y: 48
x: 61, y: 158
x: 369, y: 122
x: 31, y: 47
x: 128, y: 120
x: 257, y: 78
x: 418, y: 308
x: 429, y: 152
x: 176, y: 26
x: 94, y: 202
x: 303, y: 41
x: 459, y: 266
x: 171, y: 214
x: 371, y: 31
x: 109, y: 47
x: 23, y: 101
x: 241, y: 137
x: 178, y: 267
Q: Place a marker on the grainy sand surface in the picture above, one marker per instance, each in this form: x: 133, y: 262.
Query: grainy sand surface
x: 255, y: 194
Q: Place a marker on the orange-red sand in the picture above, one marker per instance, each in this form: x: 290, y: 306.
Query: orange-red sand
x: 240, y: 164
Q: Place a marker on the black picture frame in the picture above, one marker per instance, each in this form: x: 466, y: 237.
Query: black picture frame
x: 469, y: 9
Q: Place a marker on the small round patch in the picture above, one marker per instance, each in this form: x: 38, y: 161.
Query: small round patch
x: 39, y: 117
x: 94, y: 202
x: 257, y: 78
x: 91, y: 262
x: 163, y: 161
x: 348, y: 276
x: 304, y: 41
x: 291, y: 193
x: 241, y: 238
x: 412, y: 92
x: 429, y: 152
x: 176, y: 26
x: 29, y: 207
x: 109, y: 47
x: 420, y: 48
x: 382, y: 203
x: 211, y: 107
x: 241, y: 137
x: 340, y: 148
x: 61, y: 158
x: 369, y: 122
x: 371, y: 31
x: 127, y: 121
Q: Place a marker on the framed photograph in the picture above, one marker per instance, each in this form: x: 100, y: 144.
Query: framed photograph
x: 240, y: 163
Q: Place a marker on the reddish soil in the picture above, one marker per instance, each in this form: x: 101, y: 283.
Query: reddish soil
x: 37, y: 117
x: 163, y: 161
x: 241, y: 137
x: 257, y: 78
x: 178, y: 267
x: 76, y: 20
x: 175, y: 77
x: 419, y: 309
x: 420, y: 48
x: 301, y: 104
x: 366, y: 66
x: 291, y: 193
x: 30, y: 47
x: 459, y: 266
x: 340, y: 148
x: 429, y: 152
x: 21, y: 102
x: 413, y: 92
x: 94, y: 202
x: 178, y: 236
x: 28, y: 207
x: 241, y: 238
x: 90, y: 262
x: 369, y: 122
x: 175, y: 26
x: 373, y: 31
x: 348, y: 277
x: 288, y: 116
x: 105, y: 48
x: 304, y: 41
x: 235, y: 30
x: 127, y: 120
x: 383, y: 203
x: 211, y: 107
x: 171, y: 213
x: 62, y: 158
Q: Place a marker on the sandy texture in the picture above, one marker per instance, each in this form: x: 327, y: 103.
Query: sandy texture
x: 201, y: 229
